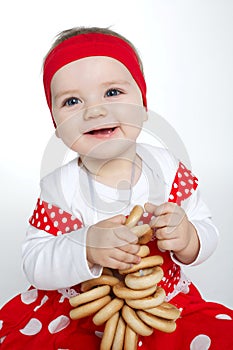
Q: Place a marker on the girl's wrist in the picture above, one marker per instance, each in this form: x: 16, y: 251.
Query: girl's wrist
x: 189, y: 254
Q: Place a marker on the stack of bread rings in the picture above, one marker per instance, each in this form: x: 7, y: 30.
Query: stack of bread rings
x: 129, y: 302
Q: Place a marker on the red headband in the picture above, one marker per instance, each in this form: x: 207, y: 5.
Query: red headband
x: 92, y: 44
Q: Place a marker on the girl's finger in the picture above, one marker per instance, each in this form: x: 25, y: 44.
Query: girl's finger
x: 166, y: 220
x: 124, y: 235
x: 166, y: 233
x: 130, y: 248
x: 116, y: 264
x: 149, y: 208
x: 162, y: 209
x: 124, y: 257
x: 118, y: 219
x: 166, y: 244
x: 166, y: 208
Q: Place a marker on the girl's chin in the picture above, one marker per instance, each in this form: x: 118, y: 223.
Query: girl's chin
x: 107, y: 150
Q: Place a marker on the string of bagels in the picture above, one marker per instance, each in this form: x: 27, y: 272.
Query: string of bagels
x: 132, y: 304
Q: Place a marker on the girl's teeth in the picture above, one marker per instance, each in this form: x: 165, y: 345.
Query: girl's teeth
x: 102, y: 131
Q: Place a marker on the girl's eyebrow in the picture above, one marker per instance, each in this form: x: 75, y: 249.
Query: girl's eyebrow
x: 115, y: 82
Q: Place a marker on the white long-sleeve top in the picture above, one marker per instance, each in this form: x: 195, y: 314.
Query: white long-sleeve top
x: 54, y: 262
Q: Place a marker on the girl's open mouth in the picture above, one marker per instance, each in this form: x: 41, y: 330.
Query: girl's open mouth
x: 105, y: 132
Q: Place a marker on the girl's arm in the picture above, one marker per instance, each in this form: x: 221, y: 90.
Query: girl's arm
x: 200, y: 217
x: 53, y: 262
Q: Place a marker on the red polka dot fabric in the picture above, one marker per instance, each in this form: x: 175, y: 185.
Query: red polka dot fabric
x: 53, y: 220
x: 184, y: 184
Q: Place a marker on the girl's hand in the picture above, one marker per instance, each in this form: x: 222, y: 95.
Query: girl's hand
x: 174, y: 231
x: 111, y: 244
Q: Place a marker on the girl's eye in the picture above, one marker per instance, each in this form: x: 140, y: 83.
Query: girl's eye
x: 71, y: 101
x: 113, y: 92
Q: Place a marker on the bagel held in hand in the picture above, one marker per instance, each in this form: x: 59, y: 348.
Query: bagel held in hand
x: 110, y: 243
x: 143, y: 232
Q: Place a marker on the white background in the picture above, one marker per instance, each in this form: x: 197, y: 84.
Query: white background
x: 187, y: 50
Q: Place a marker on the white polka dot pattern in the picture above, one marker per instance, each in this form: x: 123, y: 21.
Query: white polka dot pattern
x: 223, y: 317
x: 53, y: 220
x: 57, y: 325
x: 29, y: 296
x: 200, y: 342
x: 183, y: 185
x: 2, y: 339
x: 99, y: 334
x: 32, y: 327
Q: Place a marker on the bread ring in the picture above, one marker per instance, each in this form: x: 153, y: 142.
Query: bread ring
x: 109, y: 332
x: 102, y: 280
x: 148, y: 261
x: 107, y: 311
x: 91, y: 295
x: 161, y: 324
x: 119, y: 335
x: 148, y: 302
x: 143, y: 251
x: 90, y: 308
x: 107, y: 271
x: 131, y: 339
x: 135, y: 322
x: 145, y: 278
x: 123, y: 292
x: 141, y: 230
x: 134, y: 216
x: 146, y: 237
x: 165, y: 310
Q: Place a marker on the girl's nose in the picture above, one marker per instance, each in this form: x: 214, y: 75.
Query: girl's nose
x: 95, y: 111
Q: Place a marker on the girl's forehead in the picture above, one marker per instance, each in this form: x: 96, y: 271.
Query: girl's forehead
x: 94, y: 68
x: 96, y: 62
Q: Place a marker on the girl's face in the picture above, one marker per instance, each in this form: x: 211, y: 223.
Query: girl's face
x: 97, y: 107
